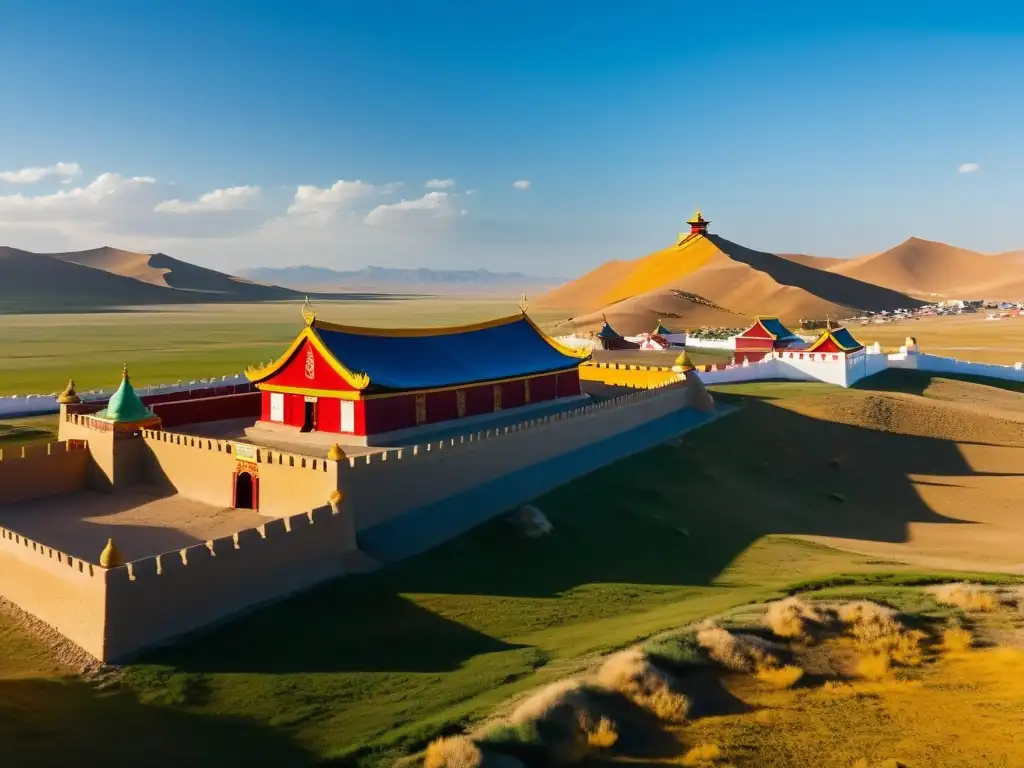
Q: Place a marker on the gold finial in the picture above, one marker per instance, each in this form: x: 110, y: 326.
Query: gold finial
x: 828, y: 323
x: 110, y: 557
x: 698, y: 217
x: 523, y: 304
x: 124, y: 371
x: 683, y: 362
x: 335, y: 453
x: 308, y: 311
x: 69, y: 396
x: 604, y: 317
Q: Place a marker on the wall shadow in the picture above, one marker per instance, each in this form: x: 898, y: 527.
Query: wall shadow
x: 52, y: 722
x: 916, y: 382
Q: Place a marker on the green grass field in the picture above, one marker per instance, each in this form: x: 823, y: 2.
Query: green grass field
x: 366, y: 669
x: 39, y: 353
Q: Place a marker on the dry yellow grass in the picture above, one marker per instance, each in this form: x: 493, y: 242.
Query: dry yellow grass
x: 739, y: 652
x: 878, y: 634
x: 792, y: 618
x: 969, y: 597
x: 602, y: 735
x: 780, y: 677
x: 957, y: 640
x: 702, y: 754
x: 453, y: 752
x: 632, y: 674
x: 873, y: 666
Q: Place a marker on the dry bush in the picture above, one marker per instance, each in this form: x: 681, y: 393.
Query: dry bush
x: 702, y: 754
x: 969, y: 597
x: 957, y: 640
x: 873, y: 666
x: 792, y: 618
x: 453, y: 752
x: 739, y: 652
x: 780, y: 677
x: 878, y: 632
x: 564, y: 720
x: 632, y: 674
x: 603, y: 734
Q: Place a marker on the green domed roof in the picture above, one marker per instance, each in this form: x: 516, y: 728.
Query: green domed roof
x: 125, y: 405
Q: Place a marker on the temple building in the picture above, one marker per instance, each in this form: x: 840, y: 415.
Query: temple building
x: 766, y: 335
x: 698, y: 226
x: 373, y: 385
x: 612, y: 339
x: 835, y: 340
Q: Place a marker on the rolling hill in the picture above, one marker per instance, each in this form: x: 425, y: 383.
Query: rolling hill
x: 708, y: 280
x: 109, y: 277
x: 928, y: 269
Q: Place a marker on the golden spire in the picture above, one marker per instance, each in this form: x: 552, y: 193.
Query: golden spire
x: 308, y: 311
x: 698, y: 217
x: 828, y: 323
x: 110, y: 557
x: 683, y: 362
x: 69, y: 396
x: 124, y: 371
x: 523, y: 304
x: 335, y: 453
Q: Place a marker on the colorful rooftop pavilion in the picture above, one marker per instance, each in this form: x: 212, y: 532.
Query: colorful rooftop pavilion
x: 836, y: 340
x: 373, y: 384
x: 125, y: 411
x: 698, y: 226
x: 767, y: 334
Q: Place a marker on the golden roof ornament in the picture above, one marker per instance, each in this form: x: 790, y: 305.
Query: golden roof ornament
x: 110, y: 557
x: 523, y: 304
x: 308, y: 311
x: 335, y: 453
x: 69, y: 396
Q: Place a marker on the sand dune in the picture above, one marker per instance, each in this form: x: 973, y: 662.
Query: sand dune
x: 165, y: 271
x: 929, y: 269
x: 738, y: 282
x: 105, y: 277
x: 818, y: 262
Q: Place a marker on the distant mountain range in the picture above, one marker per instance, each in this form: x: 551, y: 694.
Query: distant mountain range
x: 306, y: 277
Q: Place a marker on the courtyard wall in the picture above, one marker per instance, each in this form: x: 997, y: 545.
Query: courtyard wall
x: 33, y: 471
x: 67, y: 593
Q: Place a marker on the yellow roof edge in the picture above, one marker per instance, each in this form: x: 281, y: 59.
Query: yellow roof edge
x: 357, y: 380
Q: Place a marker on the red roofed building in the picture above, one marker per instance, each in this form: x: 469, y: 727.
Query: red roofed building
x: 371, y: 383
x: 835, y: 340
x: 766, y: 335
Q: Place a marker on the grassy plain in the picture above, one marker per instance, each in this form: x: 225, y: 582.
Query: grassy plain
x: 967, y: 337
x: 360, y: 671
x: 38, y: 353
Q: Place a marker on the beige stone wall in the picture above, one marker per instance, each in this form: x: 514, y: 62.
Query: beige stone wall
x: 203, y: 469
x: 33, y: 471
x: 382, y: 486
x: 67, y: 593
x: 153, y: 600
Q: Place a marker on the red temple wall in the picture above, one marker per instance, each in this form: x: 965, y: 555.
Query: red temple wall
x: 201, y: 410
x: 293, y: 374
x: 568, y: 383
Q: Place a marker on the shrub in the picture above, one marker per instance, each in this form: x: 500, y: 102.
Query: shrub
x: 632, y: 674
x: 701, y: 754
x: 780, y: 677
x: 602, y: 735
x: 969, y: 597
x: 873, y: 666
x: 877, y: 631
x: 792, y: 618
x: 453, y: 752
x: 957, y: 640
x: 739, y: 652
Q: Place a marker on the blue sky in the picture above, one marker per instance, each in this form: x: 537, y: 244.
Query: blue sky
x: 218, y: 132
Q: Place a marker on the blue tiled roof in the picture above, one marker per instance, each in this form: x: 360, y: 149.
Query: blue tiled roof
x: 607, y: 332
x: 845, y: 338
x: 420, y: 360
x: 775, y: 327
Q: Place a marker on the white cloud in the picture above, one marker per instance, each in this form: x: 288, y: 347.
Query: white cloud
x: 312, y: 199
x: 432, y: 204
x: 228, y: 199
x: 521, y: 184
x: 469, y: 192
x: 440, y: 183
x: 38, y: 173
x: 968, y: 168
x: 108, y: 193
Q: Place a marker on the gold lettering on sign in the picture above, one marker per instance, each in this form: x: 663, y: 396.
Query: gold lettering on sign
x: 310, y: 364
x: 497, y: 397
x: 526, y: 390
x: 460, y: 403
x: 421, y: 409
